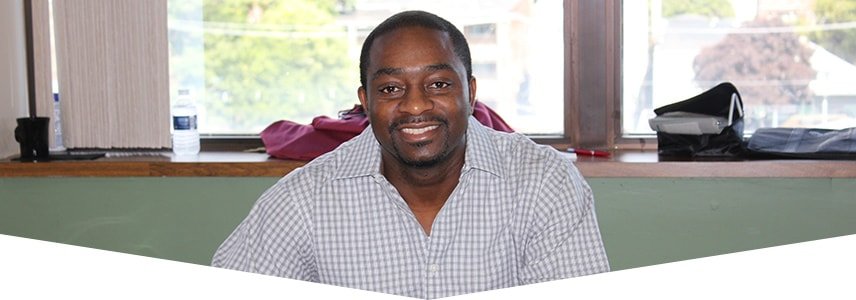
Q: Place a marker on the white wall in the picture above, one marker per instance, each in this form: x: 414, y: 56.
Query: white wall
x: 13, y: 82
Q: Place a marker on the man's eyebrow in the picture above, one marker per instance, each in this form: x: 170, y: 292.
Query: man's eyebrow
x: 386, y: 71
x: 394, y: 71
x: 438, y: 67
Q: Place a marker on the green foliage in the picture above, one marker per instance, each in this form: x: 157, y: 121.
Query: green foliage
x: 708, y: 8
x: 185, y: 47
x: 269, y: 60
x: 842, y: 42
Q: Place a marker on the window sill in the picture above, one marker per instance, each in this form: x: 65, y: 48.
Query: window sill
x: 647, y: 164
x: 625, y: 163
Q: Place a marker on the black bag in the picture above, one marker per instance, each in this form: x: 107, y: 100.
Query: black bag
x: 803, y: 143
x: 721, y: 102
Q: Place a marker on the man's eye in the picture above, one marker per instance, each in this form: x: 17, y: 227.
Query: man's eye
x: 389, y: 89
x: 439, y: 85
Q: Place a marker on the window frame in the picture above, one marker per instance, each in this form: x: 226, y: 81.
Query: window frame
x: 594, y: 86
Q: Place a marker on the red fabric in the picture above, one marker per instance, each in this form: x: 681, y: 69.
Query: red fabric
x: 288, y: 140
x: 489, y: 118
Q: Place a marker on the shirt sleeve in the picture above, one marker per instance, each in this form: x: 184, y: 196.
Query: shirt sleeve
x: 273, y: 239
x: 565, y: 240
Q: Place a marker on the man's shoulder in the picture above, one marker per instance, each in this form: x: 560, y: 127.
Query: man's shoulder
x: 349, y: 157
x: 516, y: 148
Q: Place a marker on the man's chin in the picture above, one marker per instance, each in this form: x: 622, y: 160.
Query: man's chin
x: 420, y: 160
x: 422, y: 154
x: 421, y: 163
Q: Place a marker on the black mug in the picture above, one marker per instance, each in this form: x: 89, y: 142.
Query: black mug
x: 32, y: 134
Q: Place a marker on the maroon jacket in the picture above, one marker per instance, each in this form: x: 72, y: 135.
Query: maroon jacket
x: 288, y: 140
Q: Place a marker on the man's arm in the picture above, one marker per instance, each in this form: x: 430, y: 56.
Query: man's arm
x: 565, y: 241
x: 273, y: 239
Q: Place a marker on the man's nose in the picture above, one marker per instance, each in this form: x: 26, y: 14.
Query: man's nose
x: 415, y: 102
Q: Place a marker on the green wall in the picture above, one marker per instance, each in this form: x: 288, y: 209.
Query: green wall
x: 182, y: 219
x: 651, y: 221
x: 643, y: 221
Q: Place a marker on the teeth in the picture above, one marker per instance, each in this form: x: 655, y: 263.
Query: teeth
x: 418, y: 130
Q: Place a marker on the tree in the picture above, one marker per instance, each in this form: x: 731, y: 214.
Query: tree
x: 708, y: 8
x: 768, y: 68
x: 275, y: 60
x: 841, y: 42
x: 185, y: 47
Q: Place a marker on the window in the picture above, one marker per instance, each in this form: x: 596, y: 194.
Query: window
x: 592, y: 84
x: 481, y: 32
x: 793, y: 61
x: 250, y: 63
x: 486, y: 70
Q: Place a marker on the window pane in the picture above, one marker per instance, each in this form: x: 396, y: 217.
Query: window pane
x: 792, y: 61
x: 250, y: 63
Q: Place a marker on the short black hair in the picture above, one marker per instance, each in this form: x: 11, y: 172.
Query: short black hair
x: 416, y: 18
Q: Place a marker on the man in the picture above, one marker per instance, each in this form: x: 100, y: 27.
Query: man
x: 427, y: 202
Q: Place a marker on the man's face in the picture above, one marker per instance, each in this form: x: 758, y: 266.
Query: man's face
x: 417, y: 96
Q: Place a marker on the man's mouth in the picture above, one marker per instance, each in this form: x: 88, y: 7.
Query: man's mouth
x: 420, y: 130
x: 417, y: 127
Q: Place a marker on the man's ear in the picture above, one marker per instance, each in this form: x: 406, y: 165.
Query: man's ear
x: 361, y: 93
x: 472, y: 94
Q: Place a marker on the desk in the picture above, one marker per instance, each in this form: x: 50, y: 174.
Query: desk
x: 645, y: 219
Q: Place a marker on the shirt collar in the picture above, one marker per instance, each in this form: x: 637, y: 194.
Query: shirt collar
x: 482, y: 151
x: 361, y: 155
x: 358, y: 157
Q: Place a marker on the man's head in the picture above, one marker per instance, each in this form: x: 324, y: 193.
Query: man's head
x: 418, y: 89
x: 420, y: 19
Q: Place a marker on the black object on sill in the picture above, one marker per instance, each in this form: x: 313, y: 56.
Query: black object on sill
x: 804, y: 143
x: 76, y: 156
x: 32, y: 135
x: 707, y: 125
x: 60, y: 156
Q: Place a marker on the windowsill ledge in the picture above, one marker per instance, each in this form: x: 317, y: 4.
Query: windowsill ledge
x: 629, y: 164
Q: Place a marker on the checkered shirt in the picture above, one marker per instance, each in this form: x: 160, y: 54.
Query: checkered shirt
x: 521, y: 214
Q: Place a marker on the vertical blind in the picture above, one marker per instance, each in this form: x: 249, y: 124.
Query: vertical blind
x: 112, y: 71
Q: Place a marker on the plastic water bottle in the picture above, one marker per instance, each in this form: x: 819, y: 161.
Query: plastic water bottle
x: 58, y: 146
x: 185, y: 137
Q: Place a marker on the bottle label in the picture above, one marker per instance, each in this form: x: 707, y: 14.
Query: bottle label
x: 184, y: 122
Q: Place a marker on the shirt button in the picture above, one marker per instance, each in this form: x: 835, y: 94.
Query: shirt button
x: 433, y: 268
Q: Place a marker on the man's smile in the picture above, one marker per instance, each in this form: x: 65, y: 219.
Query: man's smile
x: 419, y: 130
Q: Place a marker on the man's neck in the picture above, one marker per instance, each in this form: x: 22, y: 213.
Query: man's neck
x: 424, y: 189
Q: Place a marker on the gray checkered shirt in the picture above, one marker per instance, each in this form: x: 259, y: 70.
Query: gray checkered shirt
x: 521, y: 214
